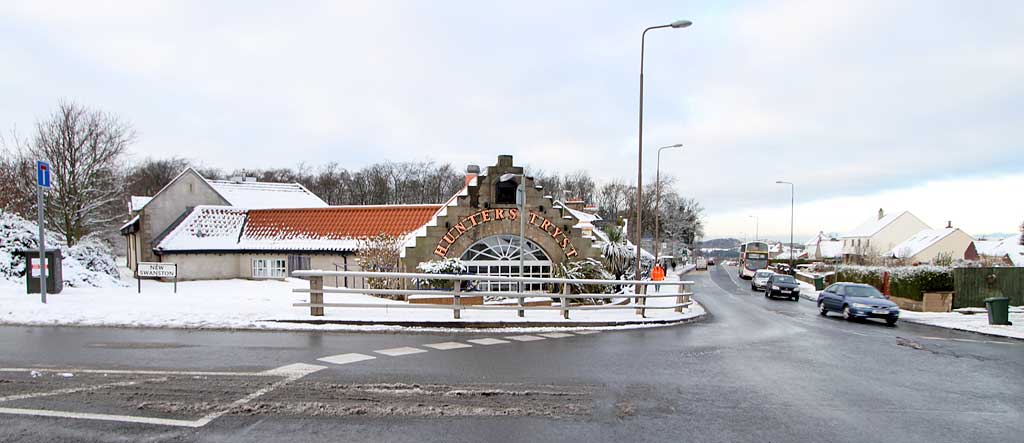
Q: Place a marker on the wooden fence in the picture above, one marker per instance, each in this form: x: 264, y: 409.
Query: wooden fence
x: 974, y: 285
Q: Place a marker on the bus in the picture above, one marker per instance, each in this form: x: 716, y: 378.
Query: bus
x: 753, y: 257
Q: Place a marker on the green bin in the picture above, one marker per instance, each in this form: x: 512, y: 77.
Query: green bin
x: 998, y: 310
x: 819, y: 283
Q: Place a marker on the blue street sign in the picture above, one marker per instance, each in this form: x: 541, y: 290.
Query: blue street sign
x: 43, y: 174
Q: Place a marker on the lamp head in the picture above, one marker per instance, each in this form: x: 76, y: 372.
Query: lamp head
x: 681, y: 24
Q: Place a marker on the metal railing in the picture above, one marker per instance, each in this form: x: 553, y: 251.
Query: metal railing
x: 637, y: 301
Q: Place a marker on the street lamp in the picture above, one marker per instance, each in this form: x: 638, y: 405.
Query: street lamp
x: 521, y: 204
x: 657, y: 200
x: 640, y: 142
x: 757, y: 231
x: 792, y: 192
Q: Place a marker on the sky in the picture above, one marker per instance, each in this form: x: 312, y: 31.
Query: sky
x: 901, y: 105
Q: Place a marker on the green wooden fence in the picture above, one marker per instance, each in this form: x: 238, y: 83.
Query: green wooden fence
x: 974, y: 285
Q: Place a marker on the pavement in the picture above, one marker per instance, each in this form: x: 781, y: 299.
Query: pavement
x: 754, y: 370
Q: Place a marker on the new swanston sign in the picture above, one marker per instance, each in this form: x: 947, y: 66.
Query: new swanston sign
x: 491, y: 215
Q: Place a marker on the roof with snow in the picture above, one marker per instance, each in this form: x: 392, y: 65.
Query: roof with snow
x: 1006, y: 247
x: 262, y: 195
x: 873, y: 226
x: 137, y: 202
x: 920, y: 241
x: 335, y: 228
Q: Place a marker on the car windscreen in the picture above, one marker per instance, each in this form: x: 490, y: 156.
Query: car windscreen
x: 762, y: 274
x: 863, y: 291
x: 783, y: 279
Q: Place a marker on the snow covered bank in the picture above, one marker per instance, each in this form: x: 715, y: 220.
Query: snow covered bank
x: 86, y: 264
x: 248, y: 304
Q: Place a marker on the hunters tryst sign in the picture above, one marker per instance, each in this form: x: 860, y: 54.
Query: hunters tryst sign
x: 491, y: 215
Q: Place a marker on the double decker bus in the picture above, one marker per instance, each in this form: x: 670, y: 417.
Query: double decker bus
x: 753, y: 257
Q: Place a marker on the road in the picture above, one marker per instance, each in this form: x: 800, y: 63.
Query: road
x: 756, y: 370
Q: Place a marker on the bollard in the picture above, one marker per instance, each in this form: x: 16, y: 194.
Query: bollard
x: 566, y: 290
x: 316, y: 296
x: 521, y: 312
x: 457, y: 299
x: 641, y: 301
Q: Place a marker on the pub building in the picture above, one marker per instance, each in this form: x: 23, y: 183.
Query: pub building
x: 241, y: 228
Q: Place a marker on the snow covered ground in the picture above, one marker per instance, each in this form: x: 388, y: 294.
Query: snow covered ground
x: 977, y: 322
x: 248, y: 304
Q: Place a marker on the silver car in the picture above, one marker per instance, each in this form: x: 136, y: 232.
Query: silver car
x: 760, y: 279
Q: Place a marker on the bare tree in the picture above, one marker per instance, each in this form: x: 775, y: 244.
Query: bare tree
x: 86, y: 149
x: 151, y: 175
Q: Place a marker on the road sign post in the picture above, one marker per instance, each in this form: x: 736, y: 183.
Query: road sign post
x: 156, y: 270
x: 42, y: 181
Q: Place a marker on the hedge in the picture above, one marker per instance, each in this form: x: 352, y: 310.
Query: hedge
x: 904, y: 281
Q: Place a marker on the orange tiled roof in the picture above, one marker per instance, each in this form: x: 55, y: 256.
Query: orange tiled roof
x: 337, y: 221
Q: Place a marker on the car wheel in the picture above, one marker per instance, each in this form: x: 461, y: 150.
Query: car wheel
x: 822, y: 309
x: 890, y: 322
x: 752, y: 287
x: 847, y: 314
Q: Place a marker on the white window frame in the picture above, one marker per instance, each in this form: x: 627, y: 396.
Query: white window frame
x: 269, y: 268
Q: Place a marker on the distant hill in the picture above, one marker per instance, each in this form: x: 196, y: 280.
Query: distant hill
x: 721, y: 243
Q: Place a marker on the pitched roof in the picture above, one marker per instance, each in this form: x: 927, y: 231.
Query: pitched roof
x: 261, y: 195
x: 920, y: 241
x: 1009, y: 247
x: 873, y: 226
x: 137, y: 202
x: 335, y: 228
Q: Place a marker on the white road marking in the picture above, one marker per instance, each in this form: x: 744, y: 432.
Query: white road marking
x: 395, y: 352
x: 296, y: 372
x: 556, y: 335
x: 525, y: 338
x: 587, y: 332
x: 448, y: 345
x: 134, y: 372
x: 106, y: 417
x: 77, y: 389
x: 344, y: 359
x: 487, y: 341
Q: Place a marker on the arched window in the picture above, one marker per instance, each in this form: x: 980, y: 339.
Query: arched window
x: 499, y: 255
x: 505, y: 192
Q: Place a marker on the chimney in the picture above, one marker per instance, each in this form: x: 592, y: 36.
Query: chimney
x: 949, y: 224
x: 471, y: 172
x: 881, y: 213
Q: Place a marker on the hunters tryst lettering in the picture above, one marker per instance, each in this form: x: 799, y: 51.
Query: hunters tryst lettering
x: 491, y: 215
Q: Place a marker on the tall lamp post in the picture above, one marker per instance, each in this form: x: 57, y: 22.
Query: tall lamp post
x: 792, y: 192
x: 657, y: 201
x: 640, y: 142
x: 521, y: 204
x: 757, y: 231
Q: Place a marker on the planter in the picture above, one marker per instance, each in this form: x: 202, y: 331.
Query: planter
x: 937, y: 302
x: 908, y: 304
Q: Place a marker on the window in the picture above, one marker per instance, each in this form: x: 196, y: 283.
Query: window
x: 505, y: 192
x: 499, y: 255
x: 269, y: 268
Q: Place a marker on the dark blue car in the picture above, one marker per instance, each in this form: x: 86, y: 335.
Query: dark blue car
x: 857, y: 301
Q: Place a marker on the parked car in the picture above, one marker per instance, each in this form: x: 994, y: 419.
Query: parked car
x: 782, y: 285
x: 759, y: 279
x: 857, y: 301
x: 711, y: 261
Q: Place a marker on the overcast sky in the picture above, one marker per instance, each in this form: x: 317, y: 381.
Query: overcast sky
x: 906, y: 105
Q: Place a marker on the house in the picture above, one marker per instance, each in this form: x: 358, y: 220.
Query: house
x: 824, y: 247
x: 1009, y: 250
x: 153, y: 218
x: 881, y: 234
x: 245, y: 229
x: 929, y: 244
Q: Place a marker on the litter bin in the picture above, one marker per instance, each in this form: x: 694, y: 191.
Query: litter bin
x: 998, y: 310
x: 54, y: 271
x: 819, y: 283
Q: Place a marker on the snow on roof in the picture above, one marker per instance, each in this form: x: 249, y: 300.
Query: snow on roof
x: 137, y: 202
x: 920, y: 241
x: 871, y: 227
x: 335, y: 228
x: 831, y: 249
x: 206, y: 228
x: 265, y: 195
x: 1008, y: 247
x: 130, y: 222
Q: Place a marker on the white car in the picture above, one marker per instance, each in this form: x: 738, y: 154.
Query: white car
x: 760, y: 279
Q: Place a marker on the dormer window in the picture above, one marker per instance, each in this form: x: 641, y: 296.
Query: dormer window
x: 505, y: 192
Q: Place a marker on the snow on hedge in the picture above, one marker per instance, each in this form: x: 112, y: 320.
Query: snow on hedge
x: 89, y: 263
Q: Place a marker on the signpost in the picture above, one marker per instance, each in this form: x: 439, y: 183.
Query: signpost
x: 42, y: 181
x: 156, y: 270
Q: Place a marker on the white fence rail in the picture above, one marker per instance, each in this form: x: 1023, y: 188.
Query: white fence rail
x: 637, y: 301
